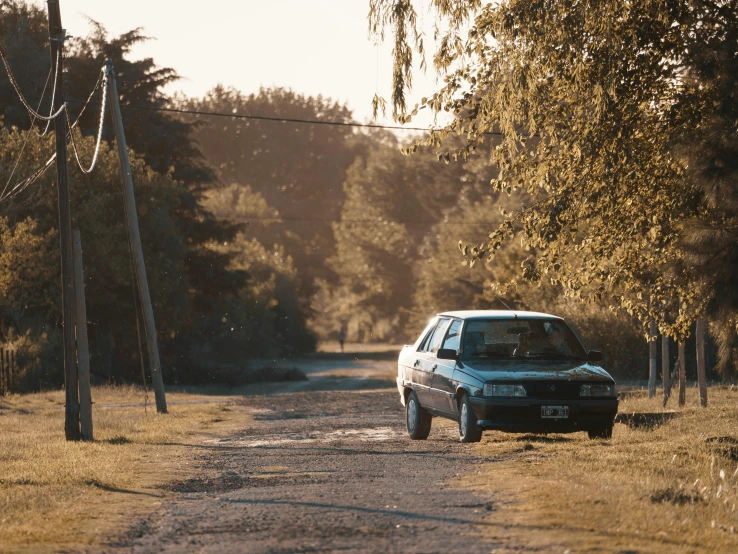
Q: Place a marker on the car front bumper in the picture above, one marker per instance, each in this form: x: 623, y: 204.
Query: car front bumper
x: 523, y: 415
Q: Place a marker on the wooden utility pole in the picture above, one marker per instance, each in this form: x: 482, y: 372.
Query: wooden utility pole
x: 56, y: 41
x: 682, y: 362
x: 701, y: 379
x: 83, y: 352
x: 134, y: 236
x: 652, y: 364
x: 665, y: 370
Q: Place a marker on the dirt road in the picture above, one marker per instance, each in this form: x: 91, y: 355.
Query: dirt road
x: 321, y: 471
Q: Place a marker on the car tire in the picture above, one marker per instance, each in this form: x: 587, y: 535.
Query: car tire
x: 417, y: 419
x: 600, y: 433
x: 469, y: 431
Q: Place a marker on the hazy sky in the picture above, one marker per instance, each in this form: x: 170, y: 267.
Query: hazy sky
x: 312, y: 46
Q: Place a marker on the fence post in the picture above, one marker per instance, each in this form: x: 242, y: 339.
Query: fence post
x: 2, y: 372
x: 682, y: 375
x: 701, y: 380
x: 665, y: 369
x: 652, y: 354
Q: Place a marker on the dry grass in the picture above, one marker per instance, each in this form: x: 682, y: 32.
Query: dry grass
x: 56, y: 494
x: 670, y: 487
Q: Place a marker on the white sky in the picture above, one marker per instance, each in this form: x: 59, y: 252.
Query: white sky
x: 311, y: 46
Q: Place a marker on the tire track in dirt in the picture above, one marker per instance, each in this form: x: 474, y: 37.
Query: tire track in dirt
x: 321, y: 471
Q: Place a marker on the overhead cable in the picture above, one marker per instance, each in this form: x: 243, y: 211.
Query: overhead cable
x: 23, y: 185
x: 22, y: 98
x: 104, y: 78
x: 362, y: 221
x: 53, y: 97
x: 291, y: 119
x: 25, y: 139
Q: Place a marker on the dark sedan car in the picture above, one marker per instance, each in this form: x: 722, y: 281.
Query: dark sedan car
x: 523, y: 372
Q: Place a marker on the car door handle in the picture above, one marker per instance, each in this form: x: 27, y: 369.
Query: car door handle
x: 434, y: 367
x: 417, y: 362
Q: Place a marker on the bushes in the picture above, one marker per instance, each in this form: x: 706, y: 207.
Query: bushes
x: 38, y: 356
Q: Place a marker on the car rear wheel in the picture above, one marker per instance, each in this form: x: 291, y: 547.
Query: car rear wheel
x: 469, y: 431
x: 600, y: 433
x: 417, y: 419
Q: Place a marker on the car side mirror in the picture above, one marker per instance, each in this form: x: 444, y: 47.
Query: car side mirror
x: 447, y: 354
x: 594, y: 356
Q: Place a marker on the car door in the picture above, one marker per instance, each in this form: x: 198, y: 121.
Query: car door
x: 426, y: 363
x: 408, y: 358
x: 442, y: 387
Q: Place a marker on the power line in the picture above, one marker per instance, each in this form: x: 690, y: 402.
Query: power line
x: 292, y: 119
x: 104, y: 78
x: 232, y: 115
x: 53, y: 97
x: 372, y: 221
x: 23, y: 185
x: 28, y: 135
x: 276, y: 119
x: 33, y: 113
x: 221, y: 114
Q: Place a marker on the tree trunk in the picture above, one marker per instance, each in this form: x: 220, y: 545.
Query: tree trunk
x: 701, y: 379
x: 652, y: 364
x: 665, y: 375
x: 682, y: 375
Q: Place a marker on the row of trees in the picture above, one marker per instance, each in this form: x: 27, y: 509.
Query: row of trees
x: 619, y: 120
x: 261, y: 236
x: 220, y: 295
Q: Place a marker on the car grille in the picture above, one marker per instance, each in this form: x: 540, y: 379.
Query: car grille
x: 552, y: 389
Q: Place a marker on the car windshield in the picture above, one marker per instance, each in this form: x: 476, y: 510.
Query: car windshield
x: 520, y: 338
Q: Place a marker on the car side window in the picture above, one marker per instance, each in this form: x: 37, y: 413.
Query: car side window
x: 438, y: 334
x: 453, y: 336
x: 428, y: 336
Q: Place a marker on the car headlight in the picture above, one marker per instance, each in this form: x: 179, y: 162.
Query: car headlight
x: 597, y: 390
x: 504, y: 390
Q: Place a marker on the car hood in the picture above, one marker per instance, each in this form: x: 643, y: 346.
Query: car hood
x: 565, y: 370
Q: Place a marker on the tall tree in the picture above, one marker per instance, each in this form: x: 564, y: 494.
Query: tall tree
x: 297, y: 168
x: 392, y: 203
x: 590, y: 98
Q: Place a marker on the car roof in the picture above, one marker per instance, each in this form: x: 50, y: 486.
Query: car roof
x: 497, y: 314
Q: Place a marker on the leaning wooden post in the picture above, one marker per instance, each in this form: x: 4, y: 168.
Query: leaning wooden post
x: 134, y: 236
x: 682, y: 361
x: 83, y: 352
x: 652, y: 364
x: 665, y: 370
x: 701, y: 378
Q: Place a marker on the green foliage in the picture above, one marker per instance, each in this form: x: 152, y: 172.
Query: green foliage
x: 391, y: 203
x: 216, y: 301
x: 29, y: 247
x: 273, y: 283
x: 297, y: 168
x: 27, y: 270
x: 592, y: 100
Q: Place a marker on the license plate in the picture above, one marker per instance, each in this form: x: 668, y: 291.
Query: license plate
x: 554, y: 412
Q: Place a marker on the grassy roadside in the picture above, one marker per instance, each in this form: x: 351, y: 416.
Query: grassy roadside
x: 60, y: 495
x: 663, y: 488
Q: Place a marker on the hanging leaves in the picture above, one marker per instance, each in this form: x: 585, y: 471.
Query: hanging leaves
x: 589, y: 98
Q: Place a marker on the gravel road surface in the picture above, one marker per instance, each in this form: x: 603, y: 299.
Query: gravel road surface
x: 321, y: 471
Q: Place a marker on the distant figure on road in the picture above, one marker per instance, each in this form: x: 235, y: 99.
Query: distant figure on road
x: 341, y: 336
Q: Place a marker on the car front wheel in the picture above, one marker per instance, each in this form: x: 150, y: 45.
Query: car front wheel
x: 418, y: 420
x: 469, y: 431
x: 600, y: 433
